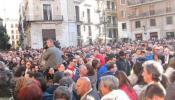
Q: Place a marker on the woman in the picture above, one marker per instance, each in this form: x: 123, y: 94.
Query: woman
x: 125, y: 85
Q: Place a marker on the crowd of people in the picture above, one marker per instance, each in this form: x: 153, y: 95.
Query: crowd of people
x: 138, y: 70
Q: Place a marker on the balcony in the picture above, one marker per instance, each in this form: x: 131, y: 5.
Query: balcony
x: 110, y: 25
x: 159, y: 12
x: 133, y: 3
x: 39, y: 18
x: 111, y: 11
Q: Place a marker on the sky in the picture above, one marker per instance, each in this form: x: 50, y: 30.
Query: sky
x: 9, y: 8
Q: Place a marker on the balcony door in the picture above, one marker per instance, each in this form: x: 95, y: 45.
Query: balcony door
x: 47, y: 12
x: 48, y: 34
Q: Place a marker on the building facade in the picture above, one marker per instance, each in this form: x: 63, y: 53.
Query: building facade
x: 87, y: 20
x: 108, y: 20
x: 12, y: 31
x: 151, y: 19
x: 124, y: 28
x: 44, y: 19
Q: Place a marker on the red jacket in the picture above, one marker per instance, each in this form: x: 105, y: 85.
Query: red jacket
x: 101, y: 58
x: 131, y: 93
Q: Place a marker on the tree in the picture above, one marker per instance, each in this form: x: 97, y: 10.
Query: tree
x: 4, y: 38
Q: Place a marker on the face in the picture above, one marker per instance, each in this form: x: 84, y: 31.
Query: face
x: 79, y: 88
x: 103, y: 89
x: 61, y: 68
x: 74, y: 62
x: 146, y: 76
x: 49, y: 43
x: 28, y: 65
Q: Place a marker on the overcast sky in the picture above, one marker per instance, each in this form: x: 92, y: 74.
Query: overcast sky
x: 9, y: 8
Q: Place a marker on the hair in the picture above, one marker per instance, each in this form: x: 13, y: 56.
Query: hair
x: 170, y: 92
x: 57, y: 77
x: 172, y: 77
x: 109, y: 81
x: 30, y: 73
x: 30, y: 92
x: 62, y: 93
x: 137, y: 68
x: 95, y: 63
x: 110, y: 65
x: 156, y: 70
x: 123, y: 79
x: 68, y: 82
x: 6, y: 81
x: 172, y: 62
x: 70, y: 59
x: 154, y: 90
x: 91, y: 70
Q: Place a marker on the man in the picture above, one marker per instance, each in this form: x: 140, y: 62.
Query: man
x: 84, y: 89
x: 109, y: 89
x: 52, y: 55
x: 154, y: 92
x: 122, y: 64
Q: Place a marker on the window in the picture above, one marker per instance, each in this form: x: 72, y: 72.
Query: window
x: 90, y: 31
x: 11, y: 25
x: 47, y: 12
x: 124, y: 26
x: 168, y: 6
x: 88, y: 15
x: 110, y: 33
x: 77, y: 11
x: 12, y: 31
x: 113, y: 20
x: 152, y: 9
x: 12, y: 36
x: 123, y: 1
x: 137, y: 24
x: 78, y: 30
x: 122, y: 14
x: 113, y: 6
x: 84, y: 28
x: 115, y: 33
x: 109, y: 19
x: 152, y: 22
x: 16, y: 25
x: 17, y: 37
x: 169, y: 20
x: 108, y: 5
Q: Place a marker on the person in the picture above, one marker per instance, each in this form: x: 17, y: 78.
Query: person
x: 109, y: 89
x: 154, y: 92
x: 122, y: 64
x: 62, y: 93
x: 84, y: 89
x: 6, y: 83
x: 170, y: 92
x: 153, y: 74
x: 125, y: 85
x: 52, y: 55
x: 83, y: 71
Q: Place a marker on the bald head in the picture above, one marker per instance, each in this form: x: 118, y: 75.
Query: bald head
x: 83, y: 85
x: 83, y: 71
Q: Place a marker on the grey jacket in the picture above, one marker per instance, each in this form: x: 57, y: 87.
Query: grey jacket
x: 52, y: 57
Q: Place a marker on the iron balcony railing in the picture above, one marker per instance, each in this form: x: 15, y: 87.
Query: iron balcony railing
x: 157, y: 12
x: 41, y: 18
x: 132, y: 3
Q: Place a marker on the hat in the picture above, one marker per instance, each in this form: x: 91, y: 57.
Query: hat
x: 121, y: 53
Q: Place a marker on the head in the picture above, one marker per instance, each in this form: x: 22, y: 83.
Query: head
x: 154, y: 92
x: 83, y: 71
x: 122, y: 77
x: 50, y: 43
x: 57, y: 77
x: 83, y: 85
x: 61, y: 68
x: 72, y: 61
x: 107, y: 84
x: 62, y: 93
x: 30, y: 91
x: 111, y: 66
x: 95, y: 63
x: 172, y: 62
x: 152, y: 71
x: 90, y: 70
